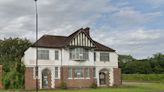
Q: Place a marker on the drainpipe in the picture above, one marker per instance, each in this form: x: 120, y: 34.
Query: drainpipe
x: 61, y: 67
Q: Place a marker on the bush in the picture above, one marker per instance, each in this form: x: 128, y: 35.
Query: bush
x: 6, y: 81
x: 13, y: 79
x: 63, y: 85
x: 94, y: 85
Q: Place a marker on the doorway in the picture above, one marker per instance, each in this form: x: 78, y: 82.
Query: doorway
x: 46, y: 78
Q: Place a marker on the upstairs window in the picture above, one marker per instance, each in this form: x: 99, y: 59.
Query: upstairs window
x: 43, y: 54
x: 56, y: 55
x: 94, y: 56
x: 78, y: 54
x: 104, y: 56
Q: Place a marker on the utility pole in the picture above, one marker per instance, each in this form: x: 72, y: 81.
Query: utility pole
x: 36, y: 68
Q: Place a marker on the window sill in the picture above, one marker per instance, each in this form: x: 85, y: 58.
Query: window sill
x: 87, y: 78
x: 79, y: 78
x: 104, y: 61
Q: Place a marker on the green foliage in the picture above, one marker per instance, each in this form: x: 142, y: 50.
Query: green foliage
x: 152, y: 65
x: 144, y: 77
x: 63, y: 85
x: 93, y: 85
x: 11, y: 52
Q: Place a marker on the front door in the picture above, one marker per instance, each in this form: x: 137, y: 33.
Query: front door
x: 46, y: 78
x: 102, y: 77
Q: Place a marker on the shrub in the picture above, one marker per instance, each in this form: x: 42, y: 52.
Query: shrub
x: 94, y: 85
x: 63, y: 85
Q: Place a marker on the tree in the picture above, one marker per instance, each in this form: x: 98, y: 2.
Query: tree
x: 157, y: 63
x: 11, y: 52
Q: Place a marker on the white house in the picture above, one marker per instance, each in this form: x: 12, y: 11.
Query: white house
x: 77, y: 60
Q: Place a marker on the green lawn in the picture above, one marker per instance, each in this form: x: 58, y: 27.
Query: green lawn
x: 144, y: 77
x: 155, y: 87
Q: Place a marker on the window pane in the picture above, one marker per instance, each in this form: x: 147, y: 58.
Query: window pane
x: 43, y: 54
x: 56, y: 55
x: 104, y: 56
x: 56, y: 72
x: 78, y: 54
x: 94, y: 72
x: 87, y: 72
x: 79, y: 72
x: 94, y: 56
x: 69, y: 72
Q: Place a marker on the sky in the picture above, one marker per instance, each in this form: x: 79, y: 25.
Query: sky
x: 132, y: 27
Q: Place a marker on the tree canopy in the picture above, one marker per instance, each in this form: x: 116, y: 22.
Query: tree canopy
x: 131, y: 65
x: 11, y: 52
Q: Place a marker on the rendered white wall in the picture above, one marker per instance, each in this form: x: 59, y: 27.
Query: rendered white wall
x: 113, y: 60
x: 30, y: 58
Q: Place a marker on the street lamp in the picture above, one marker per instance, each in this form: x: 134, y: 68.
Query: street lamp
x: 36, y: 68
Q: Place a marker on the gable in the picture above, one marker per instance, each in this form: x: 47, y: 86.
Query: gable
x: 81, y: 39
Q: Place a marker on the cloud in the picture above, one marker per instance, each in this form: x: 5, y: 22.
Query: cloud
x: 19, y: 16
x: 155, y: 3
x: 137, y: 42
x: 114, y: 24
x: 129, y: 15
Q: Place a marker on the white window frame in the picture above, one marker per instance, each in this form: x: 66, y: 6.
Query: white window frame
x: 56, y: 53
x: 70, y: 70
x: 79, y: 54
x: 57, y: 72
x: 79, y: 69
x: 94, y: 56
x: 87, y: 73
x: 107, y: 54
x: 41, y: 54
x: 94, y: 72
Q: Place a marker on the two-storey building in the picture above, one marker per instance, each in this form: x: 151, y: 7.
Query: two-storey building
x: 77, y: 60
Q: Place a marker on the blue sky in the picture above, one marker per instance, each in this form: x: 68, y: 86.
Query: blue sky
x: 132, y: 27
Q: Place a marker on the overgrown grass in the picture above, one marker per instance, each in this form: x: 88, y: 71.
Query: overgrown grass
x: 153, y: 87
x: 144, y: 77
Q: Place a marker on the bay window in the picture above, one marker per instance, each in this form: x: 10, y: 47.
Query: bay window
x: 78, y: 54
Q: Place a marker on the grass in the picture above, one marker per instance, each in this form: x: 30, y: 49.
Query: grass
x: 154, y: 87
x: 144, y: 77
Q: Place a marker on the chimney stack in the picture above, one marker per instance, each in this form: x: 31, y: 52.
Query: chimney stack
x: 87, y: 30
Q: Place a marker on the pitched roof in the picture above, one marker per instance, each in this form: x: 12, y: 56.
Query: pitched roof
x: 51, y: 41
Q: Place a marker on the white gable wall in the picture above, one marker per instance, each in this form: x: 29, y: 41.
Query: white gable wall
x: 113, y: 60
